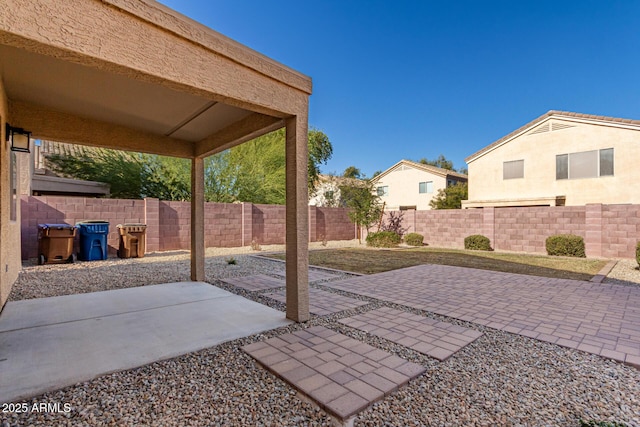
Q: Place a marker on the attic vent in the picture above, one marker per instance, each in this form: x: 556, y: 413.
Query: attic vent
x: 540, y: 129
x: 404, y: 168
x: 560, y: 126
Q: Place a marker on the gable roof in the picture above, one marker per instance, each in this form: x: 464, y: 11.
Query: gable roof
x: 566, y: 115
x: 420, y: 166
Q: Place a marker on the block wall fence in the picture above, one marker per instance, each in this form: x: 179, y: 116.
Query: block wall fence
x: 610, y: 231
x: 168, y: 223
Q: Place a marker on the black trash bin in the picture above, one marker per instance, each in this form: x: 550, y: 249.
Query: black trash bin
x: 55, y: 243
x: 93, y: 240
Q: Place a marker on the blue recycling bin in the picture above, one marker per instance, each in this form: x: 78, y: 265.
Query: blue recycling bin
x: 93, y: 240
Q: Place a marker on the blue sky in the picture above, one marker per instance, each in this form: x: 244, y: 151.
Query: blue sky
x: 403, y: 79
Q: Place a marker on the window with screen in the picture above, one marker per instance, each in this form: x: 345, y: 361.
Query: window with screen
x: 585, y: 164
x: 513, y: 169
x: 425, y: 187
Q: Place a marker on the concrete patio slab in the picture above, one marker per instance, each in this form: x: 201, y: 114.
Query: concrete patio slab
x: 428, y: 336
x: 323, y: 302
x: 50, y: 343
x: 341, y: 374
x: 602, y: 319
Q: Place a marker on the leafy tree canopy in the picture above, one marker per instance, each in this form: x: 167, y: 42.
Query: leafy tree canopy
x: 352, y: 172
x: 251, y: 172
x: 363, y: 202
x: 450, y: 197
x: 440, y: 162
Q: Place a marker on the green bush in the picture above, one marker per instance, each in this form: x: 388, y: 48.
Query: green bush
x: 477, y: 242
x: 565, y: 245
x: 638, y: 254
x: 413, y: 239
x: 383, y: 239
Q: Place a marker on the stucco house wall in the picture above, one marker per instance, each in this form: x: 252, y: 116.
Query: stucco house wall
x: 538, y: 144
x: 403, y: 182
x: 10, y: 263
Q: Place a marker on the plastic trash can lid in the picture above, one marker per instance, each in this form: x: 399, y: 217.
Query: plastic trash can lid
x: 56, y: 226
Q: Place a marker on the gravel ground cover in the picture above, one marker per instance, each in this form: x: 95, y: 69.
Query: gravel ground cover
x: 499, y: 379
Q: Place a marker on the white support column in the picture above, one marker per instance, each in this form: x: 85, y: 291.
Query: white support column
x: 297, y: 219
x: 197, y: 219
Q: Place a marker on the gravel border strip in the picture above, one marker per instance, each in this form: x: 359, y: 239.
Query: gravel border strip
x: 499, y: 379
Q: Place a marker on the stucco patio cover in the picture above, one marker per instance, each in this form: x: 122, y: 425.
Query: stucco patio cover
x: 135, y: 75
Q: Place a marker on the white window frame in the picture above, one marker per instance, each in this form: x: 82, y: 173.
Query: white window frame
x: 428, y: 187
x: 598, y: 166
x: 509, y: 167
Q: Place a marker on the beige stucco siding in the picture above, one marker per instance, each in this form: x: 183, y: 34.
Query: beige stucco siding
x: 9, y: 230
x: 404, y: 188
x: 539, y: 150
x: 117, y: 41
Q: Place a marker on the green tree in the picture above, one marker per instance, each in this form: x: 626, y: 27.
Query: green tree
x: 251, y: 172
x: 257, y: 170
x: 440, y: 162
x: 352, y: 172
x: 320, y: 151
x: 218, y: 181
x: 363, y: 203
x: 130, y: 175
x: 450, y: 197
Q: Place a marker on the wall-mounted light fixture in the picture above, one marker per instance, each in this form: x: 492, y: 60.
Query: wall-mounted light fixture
x: 19, y: 138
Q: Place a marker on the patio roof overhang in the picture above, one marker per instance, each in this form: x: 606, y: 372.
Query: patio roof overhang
x: 138, y: 76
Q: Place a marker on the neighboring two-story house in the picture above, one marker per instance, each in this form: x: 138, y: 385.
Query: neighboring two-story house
x: 560, y: 158
x: 327, y: 192
x: 411, y: 185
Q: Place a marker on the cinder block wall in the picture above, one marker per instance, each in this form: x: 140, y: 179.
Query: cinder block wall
x: 526, y: 229
x: 448, y: 228
x: 70, y: 210
x: 222, y: 225
x: 620, y: 230
x: 333, y: 224
x: 610, y: 231
x: 168, y: 223
x: 175, y: 226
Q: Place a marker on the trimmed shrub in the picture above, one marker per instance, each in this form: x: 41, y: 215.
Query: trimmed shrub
x: 565, y: 245
x: 638, y: 254
x: 413, y: 239
x: 477, y: 242
x: 383, y: 239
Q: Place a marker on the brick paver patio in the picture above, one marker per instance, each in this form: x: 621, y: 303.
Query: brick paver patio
x: 257, y: 282
x: 428, y: 336
x: 602, y: 319
x: 322, y: 302
x: 341, y: 374
x: 261, y: 282
x: 318, y: 275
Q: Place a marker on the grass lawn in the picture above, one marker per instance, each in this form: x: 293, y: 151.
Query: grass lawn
x: 369, y: 261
